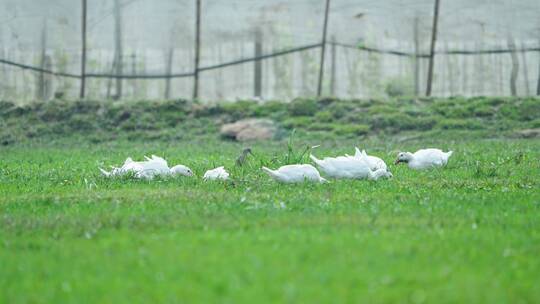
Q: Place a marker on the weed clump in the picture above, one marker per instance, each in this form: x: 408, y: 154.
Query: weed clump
x: 303, y: 107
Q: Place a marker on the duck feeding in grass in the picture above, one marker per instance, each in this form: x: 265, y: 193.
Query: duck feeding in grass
x: 147, y: 169
x: 295, y: 174
x: 349, y: 167
x: 424, y: 158
x: 218, y: 173
x: 374, y: 162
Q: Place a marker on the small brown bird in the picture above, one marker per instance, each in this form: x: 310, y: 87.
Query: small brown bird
x: 242, y: 158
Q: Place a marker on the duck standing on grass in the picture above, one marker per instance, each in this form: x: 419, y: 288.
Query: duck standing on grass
x: 424, y: 158
x: 295, y: 174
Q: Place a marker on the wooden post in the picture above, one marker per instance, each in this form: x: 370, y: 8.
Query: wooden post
x: 257, y: 90
x: 481, y: 79
x: 110, y: 80
x: 525, y: 70
x: 333, y: 68
x: 118, y: 48
x: 40, y: 92
x: 464, y: 73
x: 477, y: 71
x: 432, y: 48
x: 538, y: 83
x: 493, y: 79
x: 443, y: 74
x: 416, y: 57
x: 501, y: 71
x: 323, y: 48
x: 134, y: 82
x: 515, y: 66
x: 197, y: 49
x: 220, y: 80
x: 3, y: 75
x: 169, y: 62
x: 83, y: 55
x: 304, y: 71
x: 450, y: 71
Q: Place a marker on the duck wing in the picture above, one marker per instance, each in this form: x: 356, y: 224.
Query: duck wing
x: 376, y: 163
x: 430, y: 157
x: 299, y: 173
x: 351, y: 167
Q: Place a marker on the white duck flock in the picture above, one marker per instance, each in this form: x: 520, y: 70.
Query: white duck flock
x: 295, y: 174
x: 147, y: 169
x: 424, y: 158
x: 359, y: 166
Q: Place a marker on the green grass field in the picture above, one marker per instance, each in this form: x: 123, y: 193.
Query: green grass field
x: 467, y: 233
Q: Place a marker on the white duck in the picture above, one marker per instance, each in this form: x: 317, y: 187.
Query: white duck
x: 148, y: 169
x: 349, y: 167
x: 374, y: 162
x: 424, y: 158
x: 295, y: 174
x: 217, y: 173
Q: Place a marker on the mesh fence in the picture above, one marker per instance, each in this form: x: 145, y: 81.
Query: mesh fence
x: 373, y: 49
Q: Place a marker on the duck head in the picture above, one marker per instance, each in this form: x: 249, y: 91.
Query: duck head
x: 404, y: 157
x: 181, y: 170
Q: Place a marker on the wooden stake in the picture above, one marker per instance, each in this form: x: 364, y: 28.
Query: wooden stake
x: 40, y: 93
x: 257, y: 81
x: 83, y: 55
x: 538, y: 84
x: 169, y: 63
x: 333, y: 68
x: 416, y: 58
x: 197, y: 49
x: 118, y: 48
x: 432, y: 48
x: 323, y: 48
x: 525, y: 71
x: 515, y: 66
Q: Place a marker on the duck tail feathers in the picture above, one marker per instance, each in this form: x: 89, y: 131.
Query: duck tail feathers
x: 270, y: 172
x: 106, y: 173
x: 315, y: 159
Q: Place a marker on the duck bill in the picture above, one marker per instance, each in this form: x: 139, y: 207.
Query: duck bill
x: 397, y: 162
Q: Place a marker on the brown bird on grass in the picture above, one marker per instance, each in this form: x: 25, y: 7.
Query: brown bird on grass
x: 241, y: 160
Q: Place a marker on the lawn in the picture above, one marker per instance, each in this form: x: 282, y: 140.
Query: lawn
x: 466, y: 233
